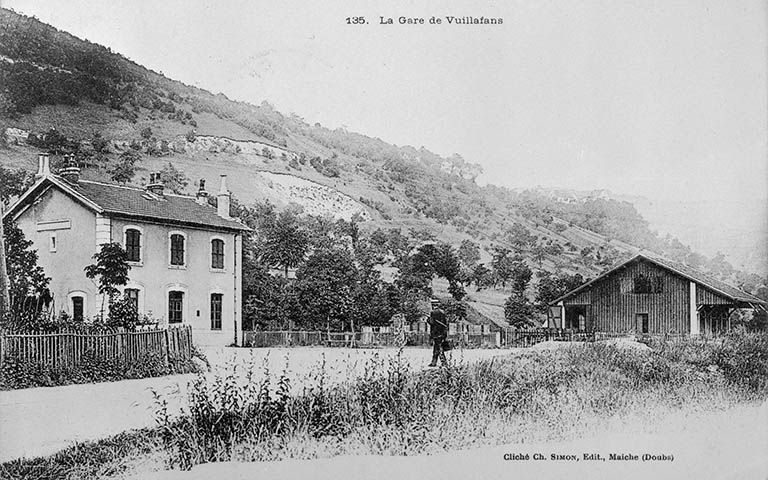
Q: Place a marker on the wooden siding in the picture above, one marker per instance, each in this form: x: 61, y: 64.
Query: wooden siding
x: 613, y: 306
x: 584, y: 297
x: 705, y: 296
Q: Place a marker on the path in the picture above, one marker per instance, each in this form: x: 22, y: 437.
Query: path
x: 42, y: 421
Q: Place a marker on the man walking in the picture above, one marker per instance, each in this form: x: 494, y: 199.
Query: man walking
x: 438, y: 332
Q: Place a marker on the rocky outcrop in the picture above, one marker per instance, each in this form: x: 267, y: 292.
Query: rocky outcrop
x: 314, y: 198
x: 212, y: 144
x: 456, y: 165
x: 15, y: 136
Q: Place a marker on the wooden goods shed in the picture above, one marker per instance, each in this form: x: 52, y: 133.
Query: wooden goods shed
x: 648, y: 294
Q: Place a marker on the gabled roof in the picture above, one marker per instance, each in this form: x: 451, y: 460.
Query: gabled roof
x: 722, y: 288
x: 131, y: 202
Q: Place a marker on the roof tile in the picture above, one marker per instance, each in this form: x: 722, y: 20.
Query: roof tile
x: 135, y: 202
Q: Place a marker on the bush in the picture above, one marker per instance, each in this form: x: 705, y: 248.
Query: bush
x: 16, y: 373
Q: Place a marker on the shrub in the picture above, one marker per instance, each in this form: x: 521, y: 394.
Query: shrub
x: 16, y: 372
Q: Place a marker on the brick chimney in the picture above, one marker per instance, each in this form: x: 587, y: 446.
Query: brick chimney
x: 43, y: 165
x: 223, y: 198
x: 155, y: 186
x: 202, y: 195
x: 70, y: 172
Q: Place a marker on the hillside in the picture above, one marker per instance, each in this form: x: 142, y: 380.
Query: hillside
x: 64, y: 94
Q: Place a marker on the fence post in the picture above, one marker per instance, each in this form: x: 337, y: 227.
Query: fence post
x: 167, y: 332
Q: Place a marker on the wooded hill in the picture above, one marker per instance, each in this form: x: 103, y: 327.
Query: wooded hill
x: 122, y: 121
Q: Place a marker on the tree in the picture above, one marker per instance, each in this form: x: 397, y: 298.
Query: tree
x: 374, y: 301
x: 125, y: 169
x: 553, y: 286
x: 173, y: 178
x: 519, y: 236
x: 324, y: 286
x: 27, y: 283
x: 123, y: 313
x: 502, y: 265
x: 482, y: 276
x: 519, y: 311
x: 521, y: 275
x: 13, y: 183
x: 398, y: 244
x: 111, y: 268
x: 268, y: 302
x: 468, y: 253
x: 146, y: 133
x: 285, y: 243
x: 539, y: 253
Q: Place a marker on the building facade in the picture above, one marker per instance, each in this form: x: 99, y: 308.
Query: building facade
x: 650, y: 295
x: 185, y: 255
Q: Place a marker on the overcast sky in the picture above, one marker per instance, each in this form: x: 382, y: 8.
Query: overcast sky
x: 663, y: 99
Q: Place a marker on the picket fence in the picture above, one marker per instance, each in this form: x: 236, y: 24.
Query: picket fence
x: 68, y: 349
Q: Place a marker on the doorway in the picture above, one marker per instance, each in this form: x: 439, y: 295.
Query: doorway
x: 576, y: 318
x: 641, y: 323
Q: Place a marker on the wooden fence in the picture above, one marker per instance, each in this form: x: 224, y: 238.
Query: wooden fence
x: 69, y: 349
x: 361, y: 339
x: 504, y: 338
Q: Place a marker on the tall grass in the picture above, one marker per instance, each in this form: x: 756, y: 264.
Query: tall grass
x: 392, y: 409
x: 253, y: 413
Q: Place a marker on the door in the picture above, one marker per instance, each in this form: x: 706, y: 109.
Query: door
x: 77, y: 308
x: 641, y: 323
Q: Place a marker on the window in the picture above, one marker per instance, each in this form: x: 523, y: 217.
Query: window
x: 642, y: 284
x: 177, y: 249
x: 132, y: 294
x: 648, y: 284
x: 78, y: 307
x: 175, y: 306
x: 52, y: 242
x: 217, y: 253
x: 642, y: 322
x: 216, y: 301
x: 133, y: 244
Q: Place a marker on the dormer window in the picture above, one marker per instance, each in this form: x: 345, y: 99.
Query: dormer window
x: 177, y: 250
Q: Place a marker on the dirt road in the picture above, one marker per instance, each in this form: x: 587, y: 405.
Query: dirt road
x: 41, y: 421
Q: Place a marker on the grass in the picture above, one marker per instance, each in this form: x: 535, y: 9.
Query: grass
x: 394, y: 410
x: 89, y: 460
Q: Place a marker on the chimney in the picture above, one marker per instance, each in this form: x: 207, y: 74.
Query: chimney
x: 202, y: 195
x: 223, y: 198
x: 155, y: 186
x: 70, y: 172
x: 43, y: 165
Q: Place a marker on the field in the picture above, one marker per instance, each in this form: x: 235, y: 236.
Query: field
x: 698, y: 401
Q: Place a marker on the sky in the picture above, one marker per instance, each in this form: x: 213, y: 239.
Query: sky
x: 665, y: 99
